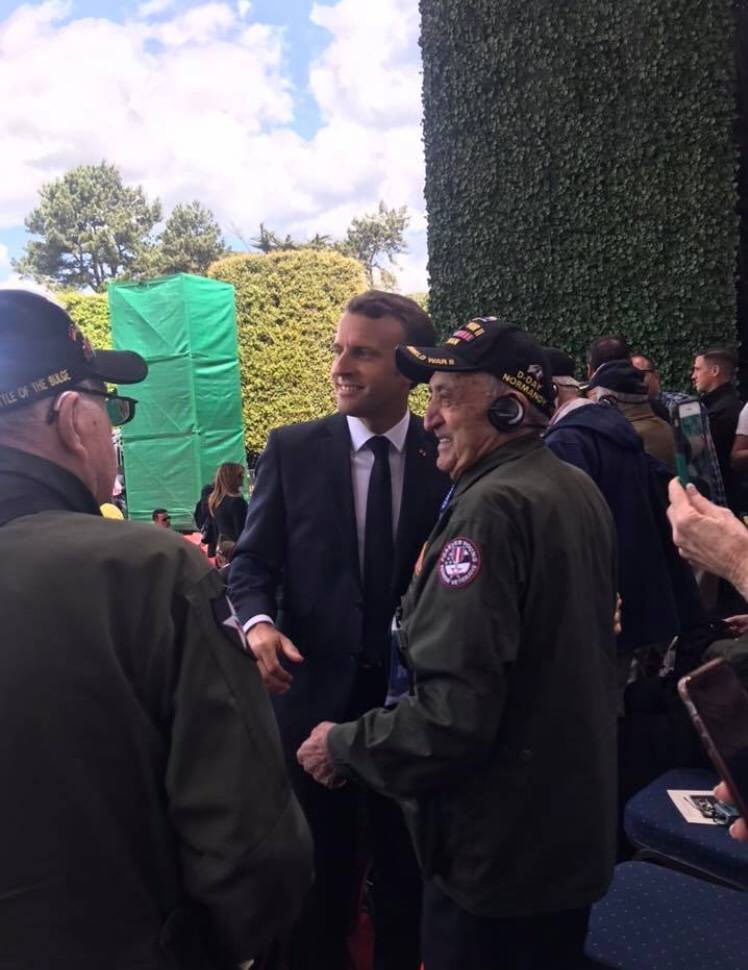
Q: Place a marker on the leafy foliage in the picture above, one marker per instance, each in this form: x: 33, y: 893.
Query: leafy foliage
x: 190, y: 241
x: 93, y: 228
x: 287, y: 306
x: 91, y: 312
x: 370, y: 239
x: 374, y: 236
x: 580, y: 170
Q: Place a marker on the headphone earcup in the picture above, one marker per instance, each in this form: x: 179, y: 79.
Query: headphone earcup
x: 506, y: 413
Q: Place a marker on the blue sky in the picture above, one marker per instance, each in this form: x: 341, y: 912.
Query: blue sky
x: 297, y: 113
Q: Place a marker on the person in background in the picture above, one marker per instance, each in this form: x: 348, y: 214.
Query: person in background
x: 204, y: 521
x: 712, y: 376
x: 605, y: 349
x: 621, y: 384
x: 653, y: 383
x: 739, y: 462
x: 146, y: 819
x: 506, y: 626
x: 202, y: 512
x: 658, y: 591
x: 226, y: 504
x: 161, y: 518
x: 663, y: 402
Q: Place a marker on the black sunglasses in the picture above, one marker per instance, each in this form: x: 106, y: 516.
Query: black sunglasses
x: 120, y: 409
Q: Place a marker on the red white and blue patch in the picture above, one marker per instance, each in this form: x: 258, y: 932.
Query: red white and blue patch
x: 459, y: 563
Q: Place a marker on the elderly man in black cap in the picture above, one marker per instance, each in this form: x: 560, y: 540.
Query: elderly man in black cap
x: 146, y: 818
x: 507, y: 623
x: 658, y: 590
x: 621, y: 384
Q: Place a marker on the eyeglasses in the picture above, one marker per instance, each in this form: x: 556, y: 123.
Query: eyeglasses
x: 120, y: 409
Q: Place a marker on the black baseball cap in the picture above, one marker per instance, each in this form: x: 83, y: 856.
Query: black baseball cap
x: 562, y: 364
x: 42, y: 352
x: 620, y: 376
x: 486, y: 344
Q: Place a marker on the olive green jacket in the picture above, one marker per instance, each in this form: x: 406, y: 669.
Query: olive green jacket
x: 504, y: 754
x: 146, y: 811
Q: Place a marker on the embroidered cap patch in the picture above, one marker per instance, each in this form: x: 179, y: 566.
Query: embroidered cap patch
x: 459, y: 563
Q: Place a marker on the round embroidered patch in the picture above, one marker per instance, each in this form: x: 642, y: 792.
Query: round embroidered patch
x: 459, y: 563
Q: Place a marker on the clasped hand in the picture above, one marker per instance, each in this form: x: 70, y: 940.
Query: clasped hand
x: 314, y: 757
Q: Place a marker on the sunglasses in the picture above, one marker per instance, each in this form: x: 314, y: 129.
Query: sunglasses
x: 120, y: 409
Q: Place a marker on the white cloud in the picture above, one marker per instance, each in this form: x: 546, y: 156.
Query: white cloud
x: 151, y: 8
x: 198, y: 104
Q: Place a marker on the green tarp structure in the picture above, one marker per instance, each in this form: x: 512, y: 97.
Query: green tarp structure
x: 189, y: 415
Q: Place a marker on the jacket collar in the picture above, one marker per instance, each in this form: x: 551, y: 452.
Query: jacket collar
x: 32, y: 484
x: 503, y: 455
x: 723, y: 391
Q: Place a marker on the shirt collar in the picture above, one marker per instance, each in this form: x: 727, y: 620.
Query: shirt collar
x: 41, y: 483
x: 360, y: 434
x: 568, y: 407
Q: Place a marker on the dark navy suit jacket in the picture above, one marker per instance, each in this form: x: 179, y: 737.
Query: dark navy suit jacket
x: 297, y: 558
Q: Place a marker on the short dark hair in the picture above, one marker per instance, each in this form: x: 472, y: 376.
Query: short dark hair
x: 416, y: 323
x: 723, y: 357
x: 651, y: 365
x: 157, y: 512
x: 605, y: 349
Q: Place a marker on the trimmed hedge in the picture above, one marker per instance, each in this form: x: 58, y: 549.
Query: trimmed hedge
x: 580, y: 169
x: 91, y: 312
x: 287, y: 305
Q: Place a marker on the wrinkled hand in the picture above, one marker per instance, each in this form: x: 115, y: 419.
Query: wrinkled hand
x: 314, y: 757
x: 268, y: 644
x: 708, y: 536
x: 738, y: 624
x: 738, y: 829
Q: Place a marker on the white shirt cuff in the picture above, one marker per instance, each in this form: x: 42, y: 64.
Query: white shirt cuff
x: 254, y: 620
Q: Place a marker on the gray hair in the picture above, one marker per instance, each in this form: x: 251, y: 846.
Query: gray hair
x: 495, y: 387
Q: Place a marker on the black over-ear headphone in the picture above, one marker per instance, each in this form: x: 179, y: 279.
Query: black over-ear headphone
x: 506, y: 413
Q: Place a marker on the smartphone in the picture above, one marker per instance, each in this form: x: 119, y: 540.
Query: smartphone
x: 718, y: 706
x: 691, y: 454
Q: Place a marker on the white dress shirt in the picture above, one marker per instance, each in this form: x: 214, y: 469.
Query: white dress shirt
x: 362, y: 462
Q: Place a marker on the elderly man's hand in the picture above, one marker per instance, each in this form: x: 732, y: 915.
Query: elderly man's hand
x: 708, y: 536
x: 738, y: 829
x: 314, y: 757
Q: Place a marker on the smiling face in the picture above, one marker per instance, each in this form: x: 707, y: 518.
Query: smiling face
x: 367, y: 383
x: 457, y: 414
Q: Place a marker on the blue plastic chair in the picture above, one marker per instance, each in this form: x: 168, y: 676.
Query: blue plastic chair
x: 655, y: 826
x: 658, y: 919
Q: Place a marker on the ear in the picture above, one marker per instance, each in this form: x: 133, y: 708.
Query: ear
x: 68, y: 423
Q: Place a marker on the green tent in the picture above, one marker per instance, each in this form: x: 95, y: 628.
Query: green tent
x: 189, y: 416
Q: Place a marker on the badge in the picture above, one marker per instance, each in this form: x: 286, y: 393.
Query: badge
x: 228, y: 623
x: 459, y: 563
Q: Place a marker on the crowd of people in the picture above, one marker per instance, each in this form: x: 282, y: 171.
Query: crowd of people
x: 420, y: 656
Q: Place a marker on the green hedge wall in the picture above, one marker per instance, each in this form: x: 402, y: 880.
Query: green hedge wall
x: 91, y: 312
x: 287, y: 306
x: 580, y: 169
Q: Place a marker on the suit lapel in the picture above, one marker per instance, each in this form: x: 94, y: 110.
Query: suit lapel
x: 338, y: 463
x: 420, y: 460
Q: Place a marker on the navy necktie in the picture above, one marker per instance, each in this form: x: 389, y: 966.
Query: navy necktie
x: 379, y: 552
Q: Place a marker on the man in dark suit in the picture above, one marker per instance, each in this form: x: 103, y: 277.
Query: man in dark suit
x: 340, y: 510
